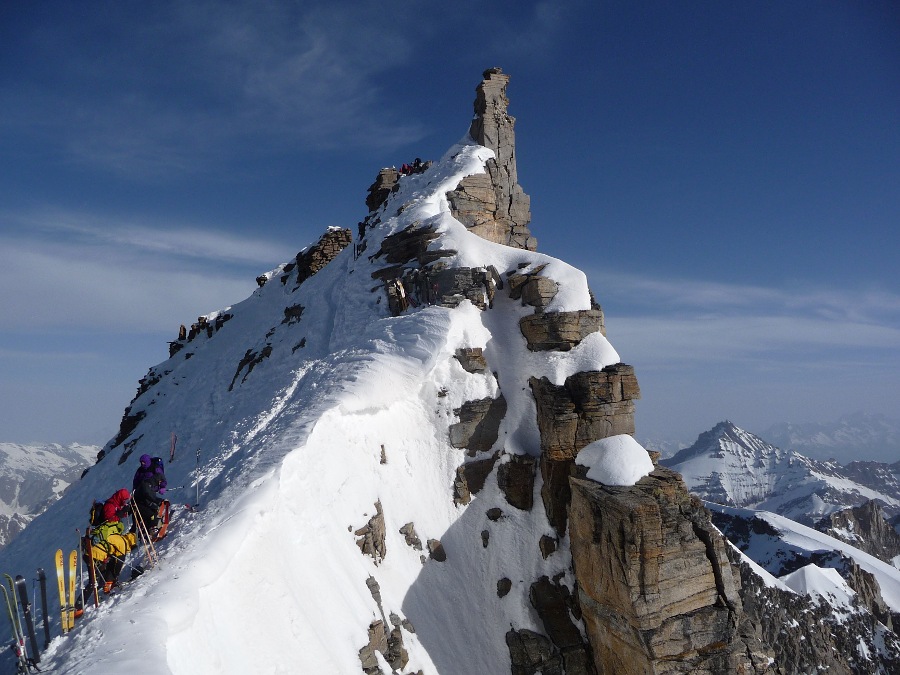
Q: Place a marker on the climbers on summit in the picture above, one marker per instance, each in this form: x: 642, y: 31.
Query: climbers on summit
x: 418, y: 166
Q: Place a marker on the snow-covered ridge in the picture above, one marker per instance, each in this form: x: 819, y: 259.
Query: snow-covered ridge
x: 306, y: 430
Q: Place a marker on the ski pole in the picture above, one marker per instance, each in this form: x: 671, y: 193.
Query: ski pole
x: 144, y: 534
x: 81, y: 583
x: 197, y: 503
x: 42, y: 579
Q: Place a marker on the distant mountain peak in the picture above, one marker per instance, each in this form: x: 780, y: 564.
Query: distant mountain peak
x: 731, y: 466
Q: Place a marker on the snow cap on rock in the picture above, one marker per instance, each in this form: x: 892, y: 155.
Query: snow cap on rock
x: 617, y: 460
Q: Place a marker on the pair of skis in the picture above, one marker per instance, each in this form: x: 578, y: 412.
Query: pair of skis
x: 67, y: 609
x: 23, y: 662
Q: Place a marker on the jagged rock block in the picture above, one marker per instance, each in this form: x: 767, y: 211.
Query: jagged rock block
x: 559, y: 331
x: 385, y: 183
x: 479, y: 424
x: 371, y: 537
x: 471, y: 359
x: 590, y: 405
x: 655, y: 585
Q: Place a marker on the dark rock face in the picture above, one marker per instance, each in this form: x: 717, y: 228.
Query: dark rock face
x: 531, y: 653
x: 470, y: 478
x: 516, y: 481
x: 589, y: 406
x: 493, y: 205
x: 655, y: 585
x: 479, y: 424
x: 806, y: 636
x: 371, y: 537
x: 559, y: 331
x: 864, y: 527
x: 554, y: 605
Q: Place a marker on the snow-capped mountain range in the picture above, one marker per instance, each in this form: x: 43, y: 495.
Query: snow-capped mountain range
x: 728, y: 465
x: 34, y: 476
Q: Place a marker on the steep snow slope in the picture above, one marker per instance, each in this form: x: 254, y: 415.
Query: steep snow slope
x: 728, y: 465
x: 302, y: 427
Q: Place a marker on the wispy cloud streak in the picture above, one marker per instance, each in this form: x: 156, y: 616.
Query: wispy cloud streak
x: 77, y: 272
x: 667, y: 320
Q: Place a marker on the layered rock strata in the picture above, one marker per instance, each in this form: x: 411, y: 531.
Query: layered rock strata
x: 864, y: 527
x: 655, y: 586
x: 493, y: 205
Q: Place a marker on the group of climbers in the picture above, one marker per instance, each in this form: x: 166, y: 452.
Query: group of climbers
x: 106, y: 543
x: 418, y: 166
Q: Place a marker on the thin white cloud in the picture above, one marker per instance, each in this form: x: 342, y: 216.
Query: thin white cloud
x: 758, y: 339
x: 75, y: 271
x: 669, y: 323
x: 120, y: 236
x: 709, y: 299
x: 103, y: 292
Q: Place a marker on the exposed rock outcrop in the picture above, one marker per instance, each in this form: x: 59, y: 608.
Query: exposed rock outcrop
x: 864, y: 527
x: 655, y: 585
x: 493, y: 205
x: 371, y: 536
x: 471, y: 359
x: 805, y: 636
x: 479, y: 424
x: 311, y: 260
x: 385, y: 183
x: 589, y: 406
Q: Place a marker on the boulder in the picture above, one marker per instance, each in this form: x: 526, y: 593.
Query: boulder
x: 471, y: 359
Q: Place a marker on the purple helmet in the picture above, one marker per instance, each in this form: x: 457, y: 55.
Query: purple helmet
x: 145, y: 461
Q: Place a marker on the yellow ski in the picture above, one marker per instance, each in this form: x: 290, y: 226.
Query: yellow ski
x: 64, y: 622
x: 73, y: 561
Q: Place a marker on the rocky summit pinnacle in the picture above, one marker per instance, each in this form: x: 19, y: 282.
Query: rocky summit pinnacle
x: 493, y: 205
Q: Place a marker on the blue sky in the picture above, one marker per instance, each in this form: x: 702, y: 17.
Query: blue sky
x: 727, y: 174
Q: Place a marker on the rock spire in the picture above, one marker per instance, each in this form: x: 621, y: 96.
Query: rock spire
x: 493, y: 205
